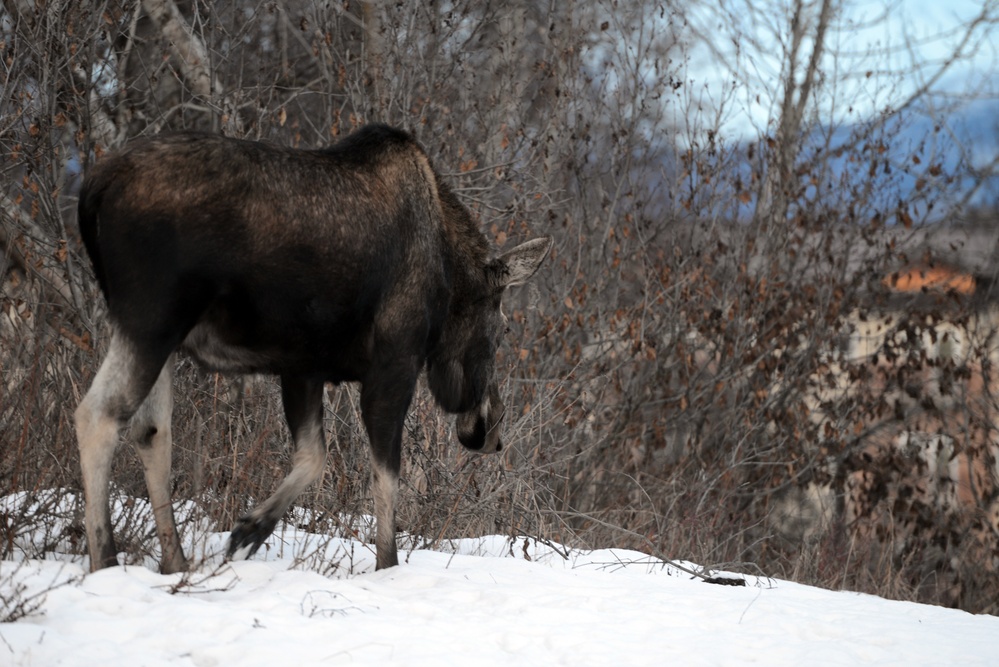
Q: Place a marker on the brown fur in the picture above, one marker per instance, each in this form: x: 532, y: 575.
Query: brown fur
x: 354, y: 263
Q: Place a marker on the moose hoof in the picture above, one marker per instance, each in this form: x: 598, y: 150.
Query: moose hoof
x: 247, y: 536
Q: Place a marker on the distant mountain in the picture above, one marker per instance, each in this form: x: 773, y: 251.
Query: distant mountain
x: 950, y: 156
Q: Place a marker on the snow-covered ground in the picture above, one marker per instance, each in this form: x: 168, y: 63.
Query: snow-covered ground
x: 308, y: 599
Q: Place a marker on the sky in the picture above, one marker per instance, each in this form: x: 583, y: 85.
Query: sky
x: 309, y: 599
x: 872, y: 73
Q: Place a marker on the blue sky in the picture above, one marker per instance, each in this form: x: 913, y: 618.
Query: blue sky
x: 877, y: 43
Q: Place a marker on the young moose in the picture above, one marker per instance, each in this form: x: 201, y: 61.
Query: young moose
x: 355, y: 263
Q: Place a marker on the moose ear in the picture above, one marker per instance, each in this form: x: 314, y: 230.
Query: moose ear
x: 515, y: 267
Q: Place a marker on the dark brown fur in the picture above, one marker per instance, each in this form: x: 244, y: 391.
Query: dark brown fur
x: 349, y: 264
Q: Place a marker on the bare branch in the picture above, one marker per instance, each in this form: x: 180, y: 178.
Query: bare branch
x: 188, y: 49
x: 56, y: 287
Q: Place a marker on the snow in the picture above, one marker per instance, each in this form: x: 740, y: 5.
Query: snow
x: 311, y: 599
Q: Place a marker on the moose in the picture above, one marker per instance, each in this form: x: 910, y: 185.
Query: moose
x: 351, y: 263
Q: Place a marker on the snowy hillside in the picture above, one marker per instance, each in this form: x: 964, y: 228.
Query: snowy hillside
x: 487, y: 601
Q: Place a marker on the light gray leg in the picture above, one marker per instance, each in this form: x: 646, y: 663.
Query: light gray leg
x: 98, y: 419
x: 150, y: 430
x: 385, y: 487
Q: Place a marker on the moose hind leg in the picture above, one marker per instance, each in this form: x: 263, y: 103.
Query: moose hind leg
x: 303, y: 408
x: 119, y: 387
x: 151, y: 433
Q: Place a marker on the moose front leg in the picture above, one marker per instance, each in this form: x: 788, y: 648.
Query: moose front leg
x: 385, y: 484
x: 385, y: 398
x: 303, y: 408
